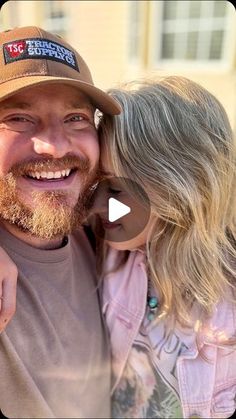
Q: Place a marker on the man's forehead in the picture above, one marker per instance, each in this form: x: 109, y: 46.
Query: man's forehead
x: 66, y: 95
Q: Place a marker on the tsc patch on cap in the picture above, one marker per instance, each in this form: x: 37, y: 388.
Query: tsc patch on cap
x: 38, y: 48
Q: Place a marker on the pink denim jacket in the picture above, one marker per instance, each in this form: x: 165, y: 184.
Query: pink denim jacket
x: 207, y: 387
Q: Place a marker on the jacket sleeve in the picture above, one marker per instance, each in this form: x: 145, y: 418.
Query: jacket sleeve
x: 224, y: 398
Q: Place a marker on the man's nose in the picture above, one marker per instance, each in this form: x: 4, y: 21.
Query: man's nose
x: 52, y: 141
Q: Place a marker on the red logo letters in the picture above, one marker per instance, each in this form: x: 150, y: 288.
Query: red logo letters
x: 15, y: 48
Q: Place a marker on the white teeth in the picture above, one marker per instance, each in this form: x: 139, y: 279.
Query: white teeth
x: 57, y: 175
x: 50, y: 175
x: 43, y: 175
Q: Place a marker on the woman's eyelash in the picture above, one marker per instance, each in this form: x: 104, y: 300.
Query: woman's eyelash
x: 114, y: 191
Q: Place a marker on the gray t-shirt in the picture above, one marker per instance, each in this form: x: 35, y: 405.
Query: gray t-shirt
x: 54, y: 355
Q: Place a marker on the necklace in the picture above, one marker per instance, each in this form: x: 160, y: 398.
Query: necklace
x: 152, y: 303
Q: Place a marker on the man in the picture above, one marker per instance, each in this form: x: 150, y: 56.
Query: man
x: 54, y: 358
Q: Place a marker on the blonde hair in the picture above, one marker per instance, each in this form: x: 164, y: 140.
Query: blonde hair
x: 174, y: 139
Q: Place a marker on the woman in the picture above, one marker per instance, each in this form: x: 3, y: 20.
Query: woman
x: 169, y: 292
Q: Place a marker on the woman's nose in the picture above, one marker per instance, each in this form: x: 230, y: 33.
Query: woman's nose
x: 100, y: 201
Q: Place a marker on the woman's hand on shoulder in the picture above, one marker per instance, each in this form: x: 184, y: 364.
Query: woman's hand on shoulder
x: 8, y: 281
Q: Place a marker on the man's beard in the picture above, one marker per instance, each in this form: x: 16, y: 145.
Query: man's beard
x: 53, y: 215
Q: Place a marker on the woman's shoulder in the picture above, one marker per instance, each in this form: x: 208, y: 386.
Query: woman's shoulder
x: 221, y: 325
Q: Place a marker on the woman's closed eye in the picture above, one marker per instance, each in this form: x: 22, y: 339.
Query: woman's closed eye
x: 114, y: 191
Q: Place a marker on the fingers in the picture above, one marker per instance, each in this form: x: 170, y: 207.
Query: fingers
x: 7, y: 299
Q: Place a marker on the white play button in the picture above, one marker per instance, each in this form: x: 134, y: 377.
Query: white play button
x: 116, y: 209
x: 117, y: 217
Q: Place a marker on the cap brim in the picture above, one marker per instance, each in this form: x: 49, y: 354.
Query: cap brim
x: 99, y: 99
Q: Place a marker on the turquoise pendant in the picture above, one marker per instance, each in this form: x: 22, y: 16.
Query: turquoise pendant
x: 152, y: 302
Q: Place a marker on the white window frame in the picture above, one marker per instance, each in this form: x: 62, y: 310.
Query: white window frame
x: 55, y: 24
x: 134, y: 60
x: 159, y: 26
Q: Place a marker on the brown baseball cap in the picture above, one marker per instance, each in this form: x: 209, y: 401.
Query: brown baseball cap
x: 30, y: 56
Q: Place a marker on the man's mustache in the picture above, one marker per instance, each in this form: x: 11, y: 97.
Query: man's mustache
x: 49, y: 164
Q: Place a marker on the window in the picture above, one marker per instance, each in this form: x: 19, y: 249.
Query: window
x: 192, y: 31
x: 9, y: 15
x: 134, y: 30
x: 56, y: 19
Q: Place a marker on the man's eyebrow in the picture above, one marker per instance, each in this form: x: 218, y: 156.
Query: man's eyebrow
x: 79, y: 105
x: 15, y: 105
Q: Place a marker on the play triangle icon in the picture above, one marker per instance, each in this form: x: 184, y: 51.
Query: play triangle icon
x: 116, y: 209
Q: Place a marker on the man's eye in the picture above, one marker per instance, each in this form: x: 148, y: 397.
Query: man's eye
x: 75, y: 118
x: 18, y: 123
x: 19, y: 119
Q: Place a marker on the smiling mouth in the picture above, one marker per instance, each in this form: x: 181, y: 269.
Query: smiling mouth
x: 55, y: 175
x: 109, y: 225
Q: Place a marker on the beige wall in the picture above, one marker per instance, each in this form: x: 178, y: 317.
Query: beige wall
x: 99, y: 30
